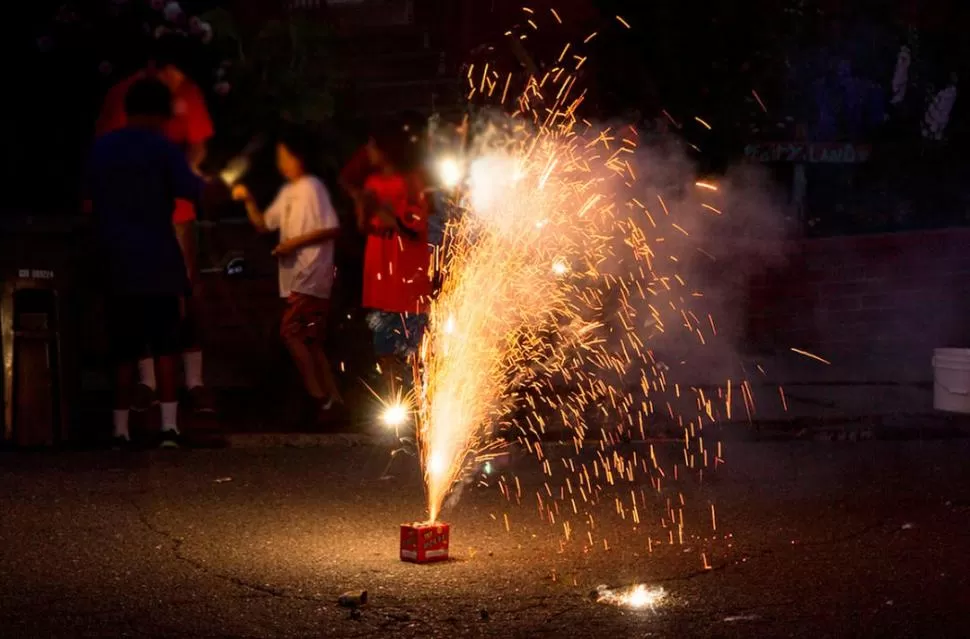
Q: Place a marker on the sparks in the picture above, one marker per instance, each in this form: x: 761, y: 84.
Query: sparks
x: 555, y: 278
x: 810, y: 355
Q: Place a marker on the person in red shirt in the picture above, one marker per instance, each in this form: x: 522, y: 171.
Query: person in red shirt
x: 189, y: 128
x: 393, y: 212
x: 363, y: 163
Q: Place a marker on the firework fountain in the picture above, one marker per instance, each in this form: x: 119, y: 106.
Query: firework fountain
x: 550, y: 271
x: 562, y: 270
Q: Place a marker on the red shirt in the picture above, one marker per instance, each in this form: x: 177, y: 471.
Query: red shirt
x: 190, y: 125
x: 396, y: 268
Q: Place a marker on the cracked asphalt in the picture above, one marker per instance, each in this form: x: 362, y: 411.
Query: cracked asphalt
x: 811, y: 540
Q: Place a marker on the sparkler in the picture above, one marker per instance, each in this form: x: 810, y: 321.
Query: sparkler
x: 238, y: 165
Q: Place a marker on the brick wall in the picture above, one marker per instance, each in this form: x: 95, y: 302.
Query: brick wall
x: 876, y: 305
x: 241, y: 314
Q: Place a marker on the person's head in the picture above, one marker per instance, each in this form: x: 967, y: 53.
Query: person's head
x: 382, y: 136
x: 148, y: 103
x: 295, y: 153
x: 374, y: 154
x: 171, y: 58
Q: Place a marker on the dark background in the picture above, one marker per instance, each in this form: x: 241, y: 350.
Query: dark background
x: 379, y: 57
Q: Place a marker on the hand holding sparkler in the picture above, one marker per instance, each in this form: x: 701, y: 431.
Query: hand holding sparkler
x: 240, y: 193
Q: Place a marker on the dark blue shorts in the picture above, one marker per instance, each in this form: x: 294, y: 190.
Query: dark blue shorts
x: 140, y: 325
x: 396, y: 334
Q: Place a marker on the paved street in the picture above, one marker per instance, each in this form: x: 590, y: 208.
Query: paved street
x: 811, y: 540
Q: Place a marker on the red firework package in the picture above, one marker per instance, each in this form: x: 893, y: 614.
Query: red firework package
x: 423, y: 543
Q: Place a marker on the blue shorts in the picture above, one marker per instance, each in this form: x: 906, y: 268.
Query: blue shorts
x: 396, y: 334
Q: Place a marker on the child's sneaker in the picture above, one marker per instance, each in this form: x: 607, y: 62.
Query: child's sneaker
x: 202, y: 400
x: 169, y: 438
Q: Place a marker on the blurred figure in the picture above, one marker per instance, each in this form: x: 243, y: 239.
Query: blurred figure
x: 134, y: 176
x: 190, y: 128
x: 309, y: 227
x: 394, y: 212
x: 366, y: 161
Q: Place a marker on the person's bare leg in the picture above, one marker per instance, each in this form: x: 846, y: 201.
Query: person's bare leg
x: 202, y: 400
x: 325, y: 373
x: 167, y: 370
x: 307, y: 366
x: 124, y: 376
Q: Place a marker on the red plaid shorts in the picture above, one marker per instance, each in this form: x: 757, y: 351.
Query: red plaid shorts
x: 305, y: 318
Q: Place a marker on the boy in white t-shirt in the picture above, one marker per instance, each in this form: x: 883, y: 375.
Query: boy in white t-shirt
x: 308, y: 226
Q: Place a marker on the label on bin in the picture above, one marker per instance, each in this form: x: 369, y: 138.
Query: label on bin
x: 35, y: 274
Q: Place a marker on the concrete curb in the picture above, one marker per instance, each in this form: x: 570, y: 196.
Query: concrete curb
x: 816, y: 434
x: 300, y: 440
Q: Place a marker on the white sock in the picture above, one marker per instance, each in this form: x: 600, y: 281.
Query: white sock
x: 192, y: 362
x: 146, y: 372
x: 121, y: 423
x: 170, y: 412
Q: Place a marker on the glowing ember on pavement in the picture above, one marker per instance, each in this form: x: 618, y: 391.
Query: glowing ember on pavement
x: 637, y: 597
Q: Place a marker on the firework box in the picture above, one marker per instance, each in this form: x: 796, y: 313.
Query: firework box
x: 423, y: 543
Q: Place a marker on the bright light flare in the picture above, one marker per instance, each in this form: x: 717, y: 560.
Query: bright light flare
x: 450, y: 172
x: 437, y: 464
x: 395, y: 415
x: 560, y: 268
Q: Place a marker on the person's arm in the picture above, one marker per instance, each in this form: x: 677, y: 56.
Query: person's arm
x: 256, y: 217
x: 352, y: 180
x: 316, y: 217
x: 413, y: 224
x: 199, y: 129
x: 307, y: 239
x: 188, y: 185
x: 195, y: 154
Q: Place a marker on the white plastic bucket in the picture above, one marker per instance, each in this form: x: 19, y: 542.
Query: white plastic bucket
x: 951, y: 380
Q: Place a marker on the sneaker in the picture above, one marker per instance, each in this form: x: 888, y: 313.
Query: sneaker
x: 326, y: 410
x: 202, y: 400
x: 143, y: 398
x: 169, y: 438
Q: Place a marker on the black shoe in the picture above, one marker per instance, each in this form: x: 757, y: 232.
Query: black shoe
x: 169, y: 438
x: 119, y: 442
x: 143, y: 398
x: 202, y: 400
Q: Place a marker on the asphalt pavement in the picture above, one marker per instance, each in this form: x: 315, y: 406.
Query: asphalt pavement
x: 806, y: 539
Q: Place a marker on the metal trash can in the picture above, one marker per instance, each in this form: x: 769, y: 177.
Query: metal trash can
x: 36, y: 391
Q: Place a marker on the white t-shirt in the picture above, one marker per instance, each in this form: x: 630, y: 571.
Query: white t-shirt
x: 302, y: 207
